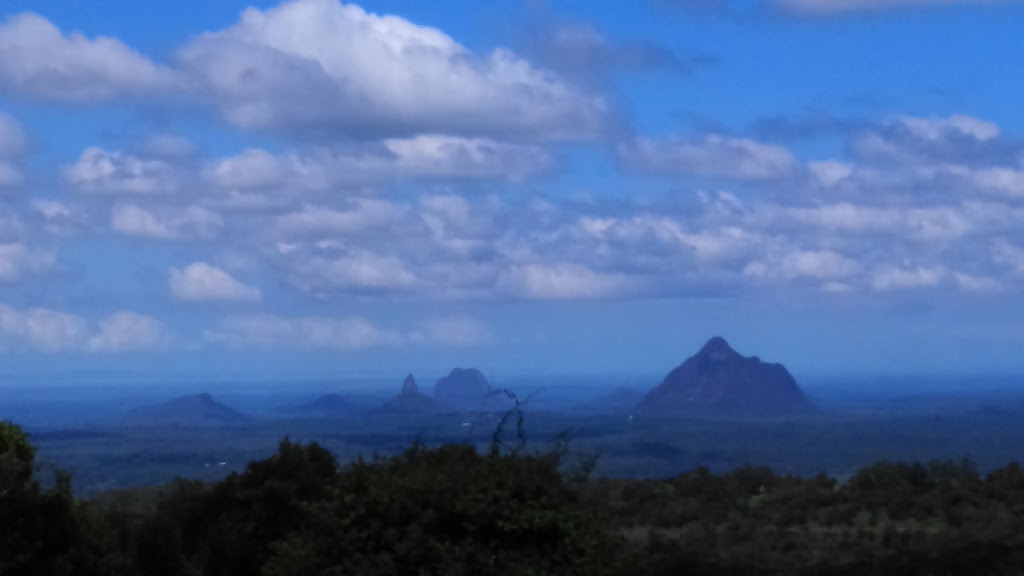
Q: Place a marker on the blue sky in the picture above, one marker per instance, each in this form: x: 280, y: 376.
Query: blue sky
x: 312, y: 188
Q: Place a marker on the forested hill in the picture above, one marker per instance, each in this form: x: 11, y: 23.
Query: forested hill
x: 452, y: 510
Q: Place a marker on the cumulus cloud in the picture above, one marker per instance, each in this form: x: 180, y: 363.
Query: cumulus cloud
x: 309, y: 66
x: 431, y: 155
x: 829, y: 173
x: 924, y: 224
x: 127, y: 331
x: 956, y: 139
x: 103, y: 172
x: 422, y: 157
x: 51, y: 331
x: 817, y: 264
x: 712, y: 156
x: 258, y: 169
x: 972, y: 284
x: 59, y: 218
x: 39, y: 329
x: 1000, y: 180
x: 37, y: 60
x: 200, y: 282
x: 561, y: 281
x: 900, y: 278
x: 18, y: 260
x: 356, y: 271
x: 316, y: 332
x: 359, y: 216
x: 165, y: 223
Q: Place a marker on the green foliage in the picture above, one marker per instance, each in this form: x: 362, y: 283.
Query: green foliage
x: 448, y: 510
x: 44, y: 531
x: 454, y: 510
x: 920, y: 518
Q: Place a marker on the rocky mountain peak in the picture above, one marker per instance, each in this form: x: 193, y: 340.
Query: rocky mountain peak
x: 409, y: 387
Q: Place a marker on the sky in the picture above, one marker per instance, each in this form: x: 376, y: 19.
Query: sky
x: 316, y: 188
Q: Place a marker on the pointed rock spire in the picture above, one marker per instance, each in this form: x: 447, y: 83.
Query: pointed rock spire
x: 717, y: 349
x: 409, y: 386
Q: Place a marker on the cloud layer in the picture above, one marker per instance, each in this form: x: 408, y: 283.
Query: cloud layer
x: 333, y: 163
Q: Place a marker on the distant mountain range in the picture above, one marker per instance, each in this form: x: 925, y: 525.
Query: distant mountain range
x: 196, y: 410
x: 718, y: 379
x: 410, y: 399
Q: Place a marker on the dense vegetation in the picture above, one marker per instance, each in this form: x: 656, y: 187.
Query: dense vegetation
x: 453, y: 510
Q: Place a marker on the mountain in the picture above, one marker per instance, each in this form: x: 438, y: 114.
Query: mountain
x: 410, y: 399
x: 463, y: 389
x: 720, y: 378
x: 196, y: 410
x: 326, y: 406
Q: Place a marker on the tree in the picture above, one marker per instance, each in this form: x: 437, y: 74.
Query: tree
x: 44, y: 531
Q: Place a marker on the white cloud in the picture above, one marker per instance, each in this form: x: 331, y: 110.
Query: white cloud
x: 417, y: 158
x: 364, y: 214
x: 166, y: 223
x: 646, y: 231
x: 51, y: 209
x: 926, y: 145
x: 202, y: 282
x: 58, y: 218
x: 51, y: 331
x: 257, y: 169
x: 561, y: 281
x: 828, y: 173
x: 39, y: 329
x: 977, y: 284
x: 711, y: 156
x: 18, y: 260
x: 312, y: 332
x: 102, y: 172
x: 923, y: 224
x: 897, y: 278
x: 362, y: 270
x: 937, y: 128
x: 1002, y: 180
x: 38, y: 61
x: 308, y: 66
x: 453, y: 157
x: 127, y: 331
x: 817, y: 264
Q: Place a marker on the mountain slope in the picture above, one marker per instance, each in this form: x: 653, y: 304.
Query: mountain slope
x: 463, y: 389
x: 719, y: 378
x: 192, y: 410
